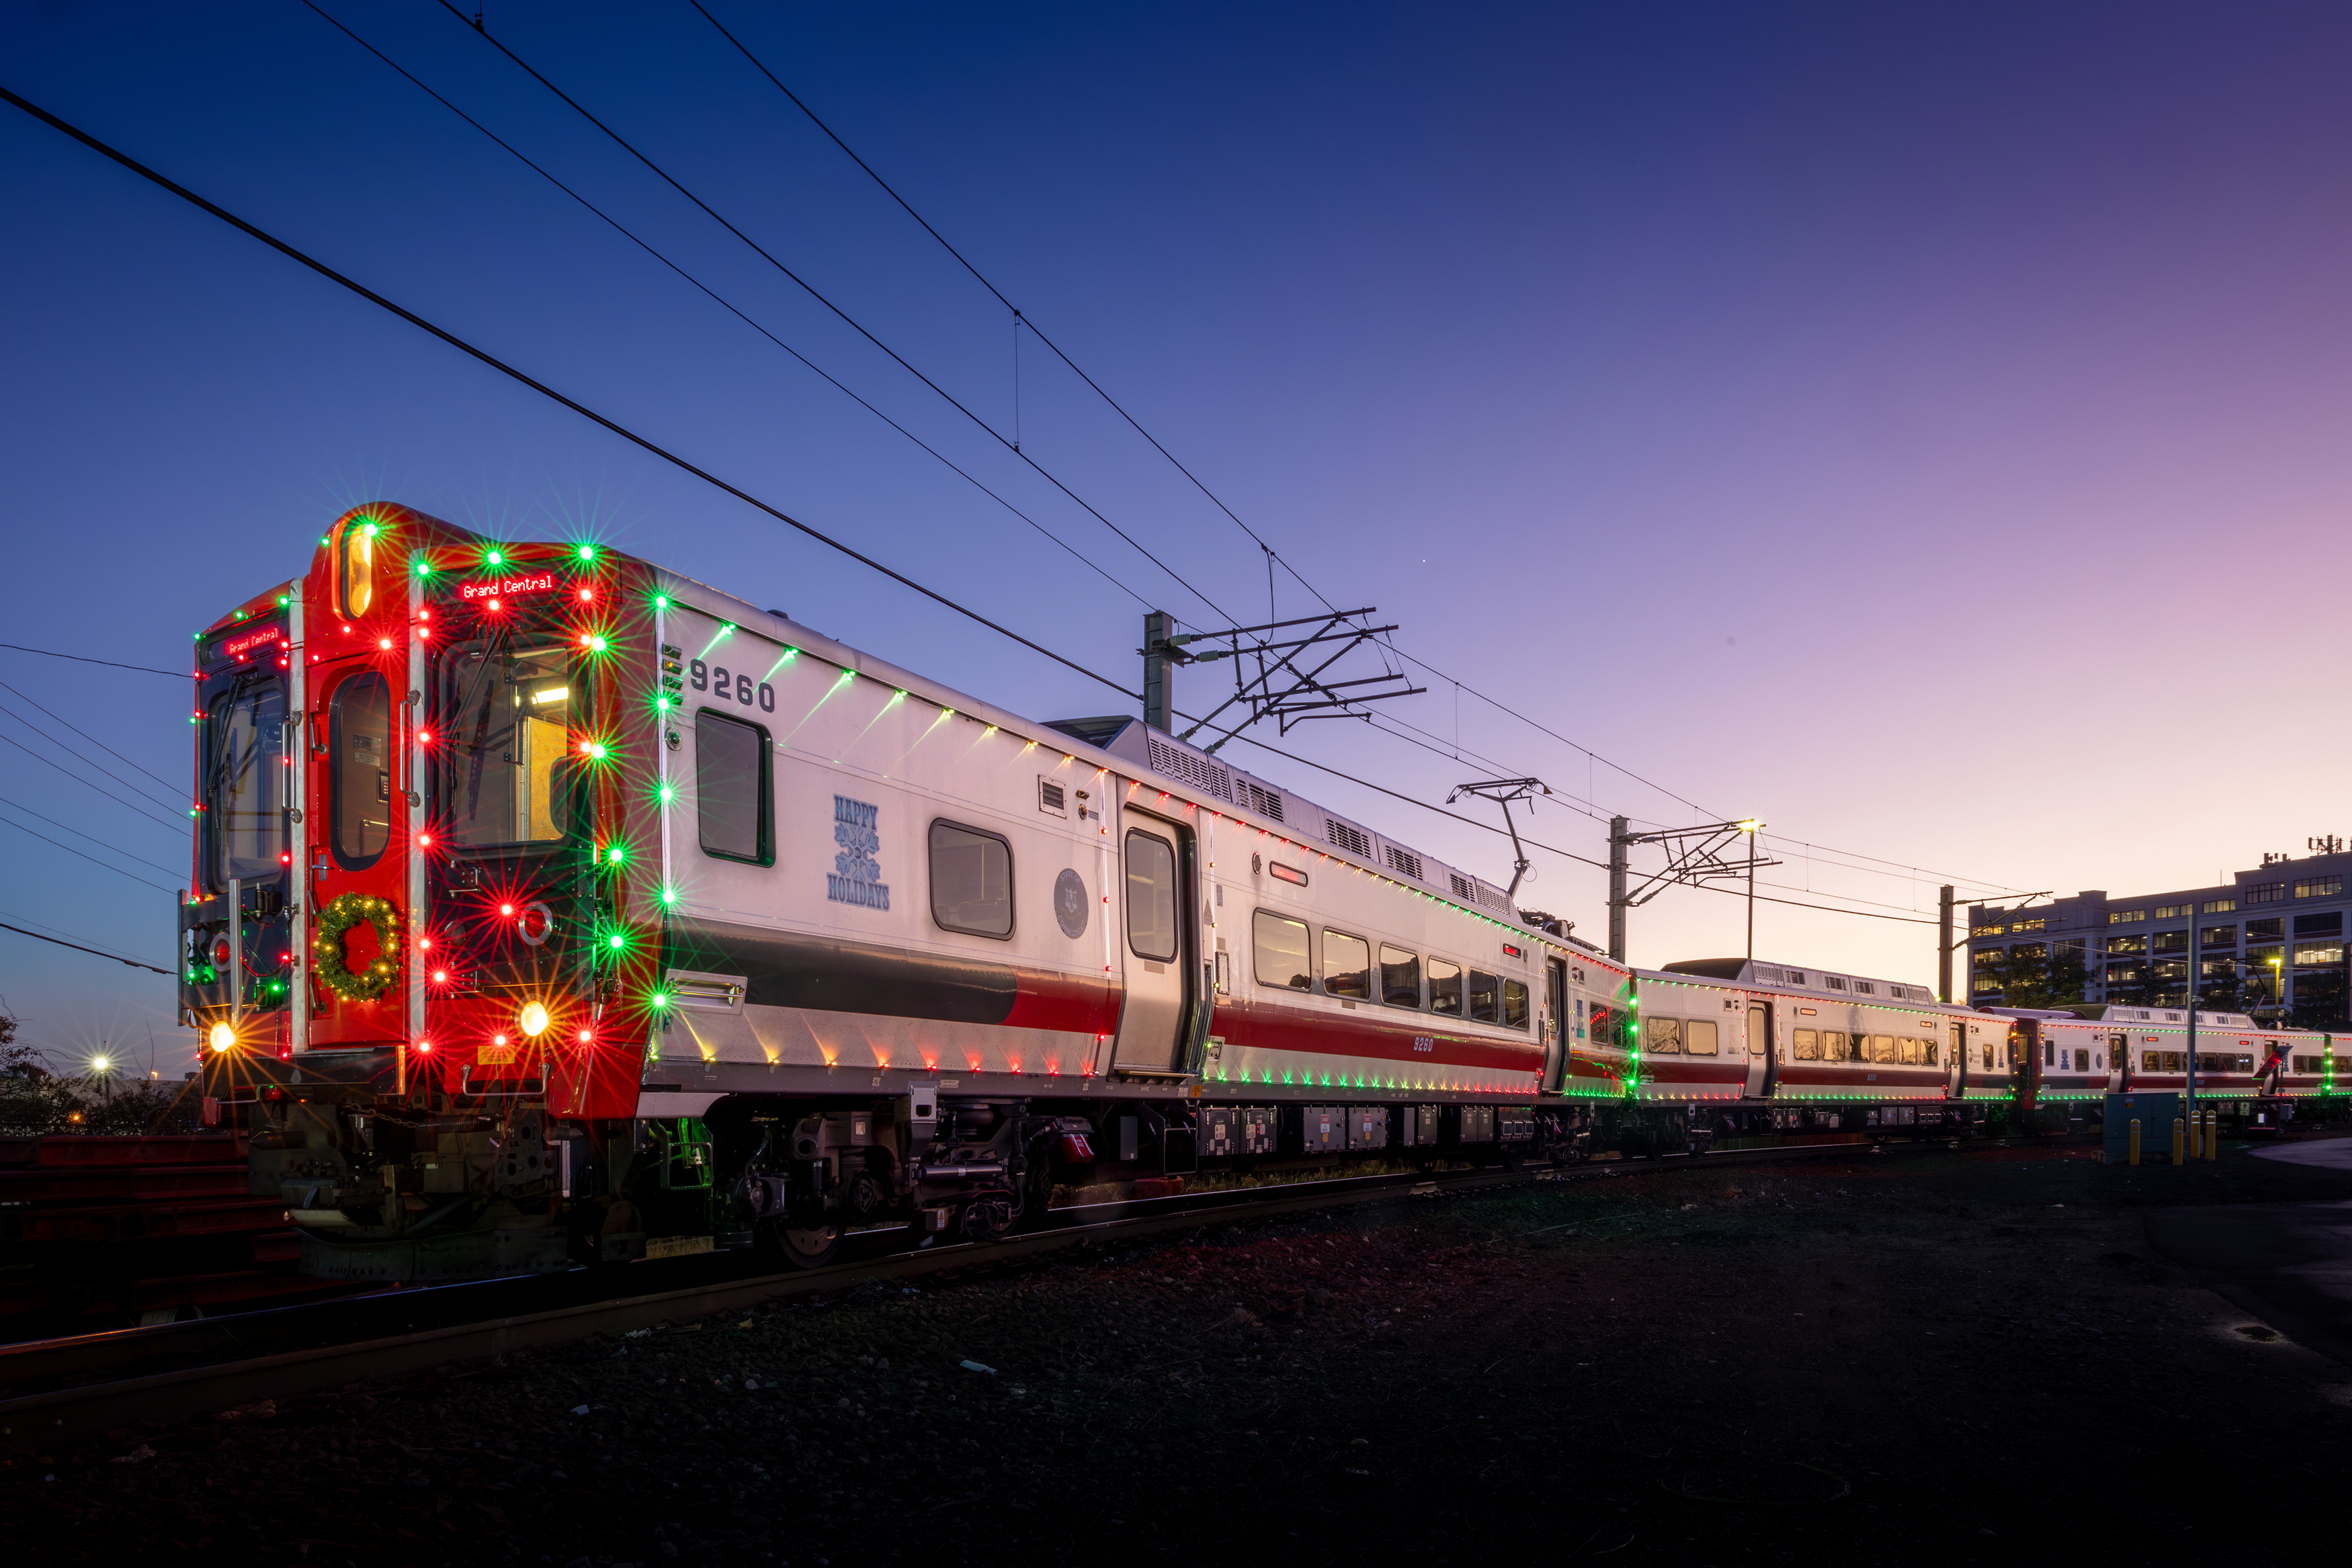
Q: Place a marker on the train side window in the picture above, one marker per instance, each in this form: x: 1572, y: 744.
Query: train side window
x: 1515, y: 1004
x: 1600, y: 1026
x: 1346, y: 966
x: 1400, y: 977
x: 1907, y: 1049
x: 1484, y: 1003
x: 1282, y: 952
x: 733, y: 790
x: 1661, y: 1037
x: 359, y: 725
x: 1927, y: 1051
x: 1835, y: 1046
x: 1699, y: 1038
x: 1445, y: 987
x: 1808, y: 1045
x: 1882, y: 1049
x: 971, y: 881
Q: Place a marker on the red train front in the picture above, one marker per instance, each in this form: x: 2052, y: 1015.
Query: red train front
x: 411, y: 819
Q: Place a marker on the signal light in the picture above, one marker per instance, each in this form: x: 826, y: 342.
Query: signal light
x: 424, y: 1047
x: 440, y: 976
x: 506, y: 910
x: 223, y: 1037
x: 534, y: 1018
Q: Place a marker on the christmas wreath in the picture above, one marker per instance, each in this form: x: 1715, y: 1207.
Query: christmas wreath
x: 335, y: 922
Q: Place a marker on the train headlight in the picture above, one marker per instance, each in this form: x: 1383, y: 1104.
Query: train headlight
x: 534, y: 1019
x: 222, y: 1037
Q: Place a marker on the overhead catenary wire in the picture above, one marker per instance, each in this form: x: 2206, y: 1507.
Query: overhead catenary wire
x: 484, y: 356
x: 86, y: 735
x: 93, y: 951
x: 850, y: 321
x: 1273, y: 555
x: 143, y: 813
x: 109, y: 664
x: 730, y: 308
x: 647, y: 445
x: 92, y: 859
x: 77, y: 832
x: 130, y: 784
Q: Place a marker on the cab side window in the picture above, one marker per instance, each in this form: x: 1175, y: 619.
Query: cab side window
x: 358, y: 722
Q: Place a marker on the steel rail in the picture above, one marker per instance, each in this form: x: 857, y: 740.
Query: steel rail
x: 69, y: 1414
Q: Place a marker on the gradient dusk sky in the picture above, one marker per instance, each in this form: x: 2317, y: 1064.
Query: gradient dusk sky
x: 1922, y: 427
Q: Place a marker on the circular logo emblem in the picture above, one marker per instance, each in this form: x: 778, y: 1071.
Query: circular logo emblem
x: 1070, y: 904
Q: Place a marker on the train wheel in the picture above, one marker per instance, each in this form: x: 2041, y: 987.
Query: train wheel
x: 802, y: 1247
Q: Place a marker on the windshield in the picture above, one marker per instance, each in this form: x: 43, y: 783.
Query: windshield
x: 505, y: 767
x: 245, y: 783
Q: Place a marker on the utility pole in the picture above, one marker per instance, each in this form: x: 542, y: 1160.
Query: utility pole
x: 1160, y: 654
x: 1944, y: 944
x: 1751, y: 825
x: 1618, y: 843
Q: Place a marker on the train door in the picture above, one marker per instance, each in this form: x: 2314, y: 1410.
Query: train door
x: 1761, y: 1073
x: 2118, y: 1063
x: 1555, y: 1024
x: 1956, y: 1071
x: 1162, y: 985
x: 2025, y: 1064
x: 356, y: 768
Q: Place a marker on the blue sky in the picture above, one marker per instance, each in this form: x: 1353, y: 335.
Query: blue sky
x: 1921, y: 428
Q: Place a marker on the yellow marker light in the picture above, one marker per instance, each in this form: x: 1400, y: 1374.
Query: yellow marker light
x: 223, y: 1037
x: 534, y: 1019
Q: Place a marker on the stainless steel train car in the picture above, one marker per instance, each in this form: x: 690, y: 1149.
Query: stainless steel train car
x: 547, y: 907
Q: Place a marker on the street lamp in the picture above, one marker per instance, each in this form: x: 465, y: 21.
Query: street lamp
x: 102, y: 1065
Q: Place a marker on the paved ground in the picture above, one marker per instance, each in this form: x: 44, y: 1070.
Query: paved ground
x: 1898, y: 1359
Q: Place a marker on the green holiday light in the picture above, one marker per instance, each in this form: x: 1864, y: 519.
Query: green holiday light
x: 587, y: 552
x: 493, y: 557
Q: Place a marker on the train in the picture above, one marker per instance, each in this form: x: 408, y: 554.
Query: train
x: 548, y: 908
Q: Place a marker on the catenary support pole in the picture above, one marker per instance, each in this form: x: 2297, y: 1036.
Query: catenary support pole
x: 1159, y: 672
x: 1617, y: 827
x: 1944, y: 944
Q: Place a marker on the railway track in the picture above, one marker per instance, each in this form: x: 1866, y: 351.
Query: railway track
x: 70, y: 1390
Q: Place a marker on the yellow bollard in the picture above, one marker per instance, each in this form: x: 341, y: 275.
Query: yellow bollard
x: 2213, y: 1134
x: 2180, y: 1139
x: 2134, y: 1140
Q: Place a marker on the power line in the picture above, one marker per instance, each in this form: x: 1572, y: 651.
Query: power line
x: 730, y: 308
x: 92, y: 859
x: 87, y: 735
x: 77, y: 658
x: 815, y: 294
x: 77, y: 832
x: 142, y: 811
x: 908, y: 207
x: 132, y: 785
x: 582, y: 410
x: 647, y: 445
x: 78, y: 947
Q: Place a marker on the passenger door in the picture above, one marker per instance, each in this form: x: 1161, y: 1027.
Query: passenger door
x: 1156, y: 907
x: 1555, y: 1024
x: 1762, y: 1071
x: 1955, y: 1080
